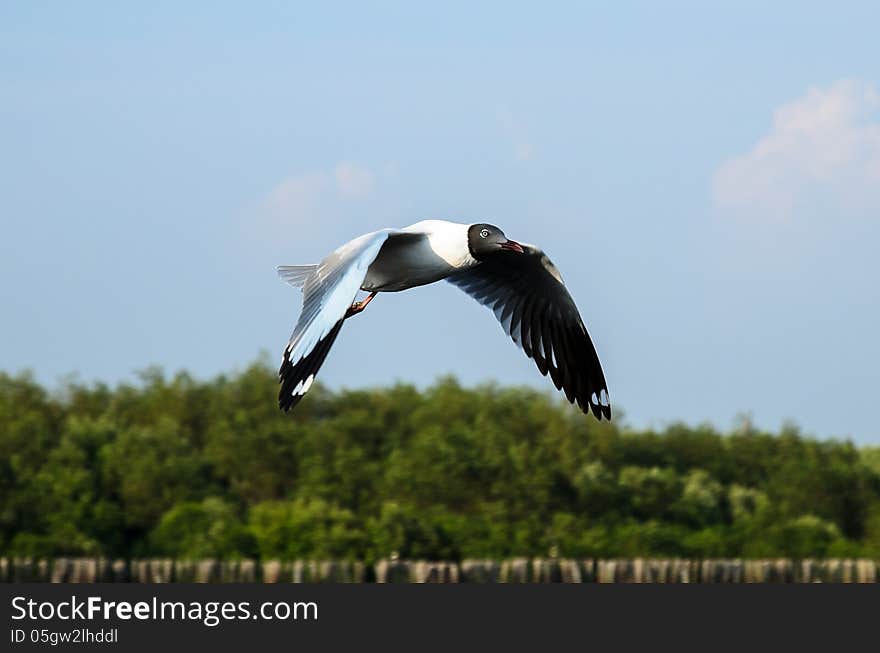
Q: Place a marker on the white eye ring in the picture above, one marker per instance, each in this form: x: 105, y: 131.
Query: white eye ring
x: 484, y: 233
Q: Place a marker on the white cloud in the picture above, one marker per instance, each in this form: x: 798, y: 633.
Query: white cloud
x: 824, y: 146
x: 305, y: 198
x: 323, y: 207
x: 523, y: 151
x: 353, y: 180
x: 298, y: 196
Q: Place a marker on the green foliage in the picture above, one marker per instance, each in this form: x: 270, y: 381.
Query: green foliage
x: 305, y: 528
x: 207, y: 529
x: 181, y: 468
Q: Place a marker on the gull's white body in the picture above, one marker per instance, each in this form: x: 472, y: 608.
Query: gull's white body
x: 438, y: 249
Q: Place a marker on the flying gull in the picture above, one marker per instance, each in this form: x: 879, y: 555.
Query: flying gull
x: 517, y: 281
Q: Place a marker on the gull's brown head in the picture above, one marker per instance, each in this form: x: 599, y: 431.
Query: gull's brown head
x: 487, y: 239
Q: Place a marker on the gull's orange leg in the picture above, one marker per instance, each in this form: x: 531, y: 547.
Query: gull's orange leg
x: 357, y: 307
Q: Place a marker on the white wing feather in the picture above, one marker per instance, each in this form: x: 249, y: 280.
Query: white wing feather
x: 330, y: 290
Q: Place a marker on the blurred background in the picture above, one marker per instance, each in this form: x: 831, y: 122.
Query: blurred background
x: 707, y: 179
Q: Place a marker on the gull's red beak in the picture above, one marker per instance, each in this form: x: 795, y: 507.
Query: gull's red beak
x: 513, y: 246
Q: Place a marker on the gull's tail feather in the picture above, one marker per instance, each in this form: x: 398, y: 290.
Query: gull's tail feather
x: 296, y: 275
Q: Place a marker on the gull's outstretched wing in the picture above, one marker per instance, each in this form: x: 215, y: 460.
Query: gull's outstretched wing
x: 328, y: 292
x: 529, y: 299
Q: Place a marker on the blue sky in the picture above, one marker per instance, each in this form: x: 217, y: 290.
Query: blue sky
x: 706, y: 178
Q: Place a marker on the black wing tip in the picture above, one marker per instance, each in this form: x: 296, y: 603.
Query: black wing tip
x: 286, y: 399
x: 597, y: 404
x: 285, y: 406
x: 602, y: 411
x: 600, y: 404
x: 296, y: 379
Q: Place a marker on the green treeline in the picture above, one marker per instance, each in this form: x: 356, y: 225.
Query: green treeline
x: 182, y: 468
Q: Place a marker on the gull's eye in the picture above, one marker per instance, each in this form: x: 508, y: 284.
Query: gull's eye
x: 484, y: 233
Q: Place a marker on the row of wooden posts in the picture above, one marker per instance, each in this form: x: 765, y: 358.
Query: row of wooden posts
x: 515, y: 570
